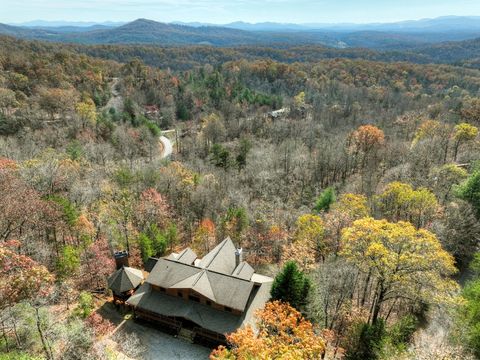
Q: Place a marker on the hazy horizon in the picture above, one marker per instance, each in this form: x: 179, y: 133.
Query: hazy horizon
x: 224, y: 11
x: 109, y: 21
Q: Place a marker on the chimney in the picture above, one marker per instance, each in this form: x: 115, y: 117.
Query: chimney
x: 121, y: 259
x: 238, y: 256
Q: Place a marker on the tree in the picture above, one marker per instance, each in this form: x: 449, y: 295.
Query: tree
x: 445, y: 178
x: 463, y: 133
x: 54, y: 101
x: 213, y: 130
x: 235, y: 222
x: 97, y: 264
x: 366, y: 138
x: 399, y: 201
x: 22, y: 277
x: 343, y: 213
x: 204, y: 237
x: 153, y: 242
x: 404, y: 263
x: 299, y: 99
x: 365, y: 143
x: 459, y: 232
x: 292, y: 286
x: 309, y: 235
x: 68, y: 262
x: 469, y: 191
x: 325, y: 200
x: 22, y: 208
x: 152, y: 208
x: 281, y: 333
x: 86, y: 110
x: 7, y: 100
x: 241, y: 158
x: 471, y: 110
x: 221, y: 157
x: 469, y: 312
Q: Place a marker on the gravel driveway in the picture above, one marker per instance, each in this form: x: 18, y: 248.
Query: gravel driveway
x: 161, y: 346
x: 158, y: 345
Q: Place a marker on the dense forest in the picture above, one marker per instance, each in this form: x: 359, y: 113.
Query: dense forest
x: 361, y: 196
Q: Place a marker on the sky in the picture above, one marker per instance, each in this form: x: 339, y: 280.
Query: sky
x: 225, y: 11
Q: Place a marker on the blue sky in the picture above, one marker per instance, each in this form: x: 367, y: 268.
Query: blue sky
x: 224, y: 11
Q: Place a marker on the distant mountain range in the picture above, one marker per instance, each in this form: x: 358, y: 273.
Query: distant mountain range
x: 393, y: 36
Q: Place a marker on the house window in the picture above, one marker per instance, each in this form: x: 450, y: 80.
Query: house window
x: 209, y: 303
x: 194, y: 298
x: 179, y: 294
x: 162, y: 289
x: 227, y: 309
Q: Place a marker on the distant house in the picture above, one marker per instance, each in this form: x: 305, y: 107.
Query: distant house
x: 151, y: 110
x: 276, y: 114
x: 202, y: 299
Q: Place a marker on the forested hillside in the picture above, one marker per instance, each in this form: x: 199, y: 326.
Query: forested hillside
x: 367, y: 182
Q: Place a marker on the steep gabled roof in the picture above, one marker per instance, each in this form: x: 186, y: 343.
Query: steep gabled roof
x: 221, y: 258
x: 166, y: 273
x: 222, y: 289
x: 243, y: 271
x: 187, y: 256
x: 125, y: 279
x: 230, y: 291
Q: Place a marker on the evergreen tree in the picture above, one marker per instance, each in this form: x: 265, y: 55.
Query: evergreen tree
x: 325, y: 200
x: 291, y: 285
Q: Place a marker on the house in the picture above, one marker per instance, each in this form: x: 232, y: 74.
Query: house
x: 151, y: 110
x: 276, y: 114
x: 125, y: 280
x: 202, y: 299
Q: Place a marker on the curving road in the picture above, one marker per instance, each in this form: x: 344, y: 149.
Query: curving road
x: 167, y: 147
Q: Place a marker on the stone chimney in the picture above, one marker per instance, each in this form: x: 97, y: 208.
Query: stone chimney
x: 121, y: 259
x: 238, y: 256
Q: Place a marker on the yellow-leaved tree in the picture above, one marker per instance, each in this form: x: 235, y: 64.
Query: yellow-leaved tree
x: 281, y: 333
x: 343, y: 213
x: 399, y: 201
x: 307, y: 245
x: 463, y: 133
x: 403, y: 263
x: 87, y: 112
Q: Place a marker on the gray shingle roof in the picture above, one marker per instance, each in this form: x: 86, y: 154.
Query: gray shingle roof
x: 215, y: 277
x: 221, y: 258
x: 203, y: 315
x: 223, y: 289
x: 243, y: 271
x: 187, y: 256
x: 125, y: 279
x: 150, y: 264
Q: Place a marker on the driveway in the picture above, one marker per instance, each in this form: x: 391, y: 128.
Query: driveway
x: 157, y: 345
x: 167, y: 147
x: 161, y: 346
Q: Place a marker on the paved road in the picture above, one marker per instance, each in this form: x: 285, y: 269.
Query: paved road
x: 167, y: 147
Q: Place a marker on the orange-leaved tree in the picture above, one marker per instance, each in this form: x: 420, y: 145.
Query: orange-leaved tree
x: 280, y: 333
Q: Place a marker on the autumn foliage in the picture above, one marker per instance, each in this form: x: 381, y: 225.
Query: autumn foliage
x: 22, y: 277
x: 280, y: 332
